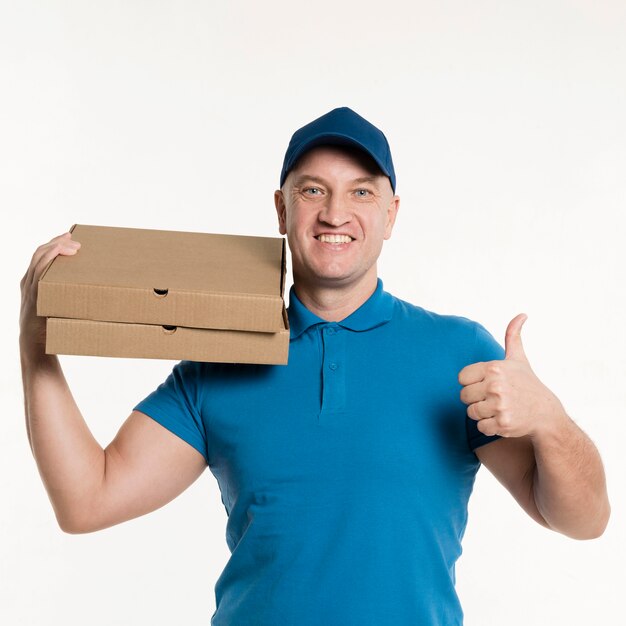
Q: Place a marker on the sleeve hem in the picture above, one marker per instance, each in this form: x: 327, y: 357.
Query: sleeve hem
x: 481, y: 441
x: 174, y: 427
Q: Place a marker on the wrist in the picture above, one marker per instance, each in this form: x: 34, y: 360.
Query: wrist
x: 33, y: 355
x: 554, y: 425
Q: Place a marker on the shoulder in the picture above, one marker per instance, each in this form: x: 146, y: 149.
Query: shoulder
x: 189, y: 370
x: 446, y: 324
x: 453, y: 332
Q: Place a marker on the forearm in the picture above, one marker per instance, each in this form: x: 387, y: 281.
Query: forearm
x: 569, y: 481
x: 69, y: 459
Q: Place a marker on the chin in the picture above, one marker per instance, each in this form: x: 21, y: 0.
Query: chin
x: 329, y: 274
x: 331, y: 279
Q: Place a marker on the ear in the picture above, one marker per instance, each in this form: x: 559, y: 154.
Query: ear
x: 392, y: 212
x: 279, y: 202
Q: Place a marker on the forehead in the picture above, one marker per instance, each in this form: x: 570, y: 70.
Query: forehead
x: 335, y: 158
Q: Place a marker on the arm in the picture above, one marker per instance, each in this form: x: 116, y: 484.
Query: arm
x: 544, y: 459
x: 538, y: 475
x: 143, y: 468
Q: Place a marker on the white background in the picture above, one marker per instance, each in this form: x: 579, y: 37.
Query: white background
x: 507, y: 126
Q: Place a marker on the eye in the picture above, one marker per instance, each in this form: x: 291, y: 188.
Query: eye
x: 312, y: 191
x: 362, y: 193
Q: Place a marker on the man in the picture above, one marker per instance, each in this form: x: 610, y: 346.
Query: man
x: 345, y: 474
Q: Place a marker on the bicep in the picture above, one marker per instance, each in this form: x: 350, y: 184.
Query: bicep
x: 512, y: 461
x: 146, y: 466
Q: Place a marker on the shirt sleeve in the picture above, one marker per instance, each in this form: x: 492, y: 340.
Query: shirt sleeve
x: 486, y: 348
x: 176, y: 404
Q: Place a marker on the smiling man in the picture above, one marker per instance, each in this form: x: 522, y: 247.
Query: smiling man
x: 336, y: 208
x: 346, y: 474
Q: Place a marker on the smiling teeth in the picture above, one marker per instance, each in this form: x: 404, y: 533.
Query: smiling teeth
x: 334, y: 238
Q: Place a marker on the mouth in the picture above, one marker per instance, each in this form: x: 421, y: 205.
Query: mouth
x: 334, y: 239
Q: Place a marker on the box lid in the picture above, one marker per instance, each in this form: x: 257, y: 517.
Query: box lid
x: 147, y: 276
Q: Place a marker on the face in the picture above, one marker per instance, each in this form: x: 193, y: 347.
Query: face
x: 336, y: 211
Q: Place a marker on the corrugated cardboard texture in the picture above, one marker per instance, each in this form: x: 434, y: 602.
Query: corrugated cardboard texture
x: 86, y: 337
x: 199, y: 280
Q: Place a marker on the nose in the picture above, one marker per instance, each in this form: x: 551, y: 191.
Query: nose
x: 335, y: 212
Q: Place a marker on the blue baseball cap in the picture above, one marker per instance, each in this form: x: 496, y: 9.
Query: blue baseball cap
x: 341, y: 127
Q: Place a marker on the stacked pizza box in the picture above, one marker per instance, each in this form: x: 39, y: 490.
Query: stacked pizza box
x: 158, y: 294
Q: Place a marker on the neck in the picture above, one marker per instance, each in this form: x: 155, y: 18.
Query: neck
x: 334, y: 303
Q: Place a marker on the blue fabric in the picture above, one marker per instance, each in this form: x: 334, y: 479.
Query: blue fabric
x: 345, y: 474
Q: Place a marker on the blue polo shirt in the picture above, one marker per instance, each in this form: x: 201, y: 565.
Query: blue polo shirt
x: 346, y: 474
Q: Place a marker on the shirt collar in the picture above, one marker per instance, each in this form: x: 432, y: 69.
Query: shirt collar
x: 376, y: 310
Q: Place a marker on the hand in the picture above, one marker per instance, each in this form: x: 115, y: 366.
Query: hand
x: 505, y: 397
x: 32, y: 327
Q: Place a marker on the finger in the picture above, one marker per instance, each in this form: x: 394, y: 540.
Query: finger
x: 481, y: 410
x: 488, y: 427
x: 44, y: 246
x: 513, y: 339
x: 40, y: 251
x: 60, y: 247
x: 474, y: 393
x: 473, y: 373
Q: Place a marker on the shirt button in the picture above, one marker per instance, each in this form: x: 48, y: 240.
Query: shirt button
x: 330, y: 330
x: 333, y: 366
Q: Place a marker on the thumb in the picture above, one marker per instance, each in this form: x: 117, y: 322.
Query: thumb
x: 513, y: 339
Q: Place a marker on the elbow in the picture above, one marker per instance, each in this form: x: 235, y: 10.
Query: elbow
x: 586, y: 534
x: 75, y: 525
x: 84, y: 524
x: 596, y: 531
x: 72, y: 528
x: 593, y: 530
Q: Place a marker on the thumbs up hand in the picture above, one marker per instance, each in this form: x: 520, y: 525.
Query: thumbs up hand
x: 505, y: 397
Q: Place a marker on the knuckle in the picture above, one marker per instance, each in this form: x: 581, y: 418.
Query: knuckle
x: 495, y: 367
x: 501, y: 407
x: 505, y: 422
x: 42, y: 250
x: 46, y: 246
x: 54, y: 251
x: 496, y: 388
